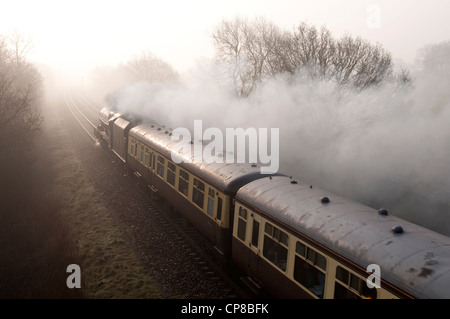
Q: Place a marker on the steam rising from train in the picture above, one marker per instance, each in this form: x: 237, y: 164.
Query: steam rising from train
x: 387, y: 146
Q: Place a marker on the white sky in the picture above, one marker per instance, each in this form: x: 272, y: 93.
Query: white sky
x: 81, y: 34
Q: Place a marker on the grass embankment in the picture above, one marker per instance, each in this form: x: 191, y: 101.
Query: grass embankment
x: 61, y: 221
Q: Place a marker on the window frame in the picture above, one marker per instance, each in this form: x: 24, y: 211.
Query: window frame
x: 274, y: 236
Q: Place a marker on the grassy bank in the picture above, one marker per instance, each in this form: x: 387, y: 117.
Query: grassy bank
x: 60, y: 220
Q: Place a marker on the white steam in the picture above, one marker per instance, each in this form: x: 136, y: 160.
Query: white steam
x: 385, y: 147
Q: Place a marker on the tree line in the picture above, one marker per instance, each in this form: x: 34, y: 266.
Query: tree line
x: 255, y: 50
x: 21, y: 90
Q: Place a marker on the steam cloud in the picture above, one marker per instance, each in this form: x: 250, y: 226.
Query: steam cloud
x: 386, y: 147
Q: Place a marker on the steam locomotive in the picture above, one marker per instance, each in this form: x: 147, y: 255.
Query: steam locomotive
x: 291, y: 239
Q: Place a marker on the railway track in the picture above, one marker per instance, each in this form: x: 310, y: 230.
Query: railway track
x: 79, y: 115
x: 231, y: 284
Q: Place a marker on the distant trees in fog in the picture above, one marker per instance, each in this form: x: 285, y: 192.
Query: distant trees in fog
x: 257, y: 50
x: 435, y: 59
x: 145, y: 66
x: 148, y: 67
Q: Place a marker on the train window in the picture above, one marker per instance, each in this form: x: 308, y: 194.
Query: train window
x: 132, y: 146
x: 243, y: 213
x: 304, y: 271
x: 342, y: 274
x: 197, y: 194
x: 153, y: 161
x: 147, y: 157
x: 311, y: 255
x: 350, y: 286
x: 309, y: 276
x: 171, y: 171
x: 199, y: 184
x: 316, y: 259
x: 300, y: 249
x: 255, y: 233
x: 142, y: 154
x: 274, y: 248
x: 276, y: 233
x: 160, y: 167
x: 219, y: 208
x: 242, y: 223
x: 210, y: 208
x: 183, y: 183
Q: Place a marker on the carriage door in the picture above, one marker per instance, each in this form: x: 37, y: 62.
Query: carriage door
x: 254, y: 244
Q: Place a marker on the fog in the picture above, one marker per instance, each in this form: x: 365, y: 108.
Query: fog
x: 386, y: 146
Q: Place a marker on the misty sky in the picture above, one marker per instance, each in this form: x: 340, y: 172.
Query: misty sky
x: 77, y: 35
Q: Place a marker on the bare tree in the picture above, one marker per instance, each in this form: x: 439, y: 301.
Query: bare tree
x: 403, y: 77
x: 256, y: 50
x: 20, y: 92
x: 21, y: 45
x: 360, y: 64
x: 311, y: 48
x: 228, y: 39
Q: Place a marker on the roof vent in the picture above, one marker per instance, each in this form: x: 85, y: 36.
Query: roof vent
x: 254, y: 165
x: 397, y: 229
x: 310, y: 186
x: 153, y: 126
x: 159, y: 129
x: 293, y: 181
x: 325, y: 200
x: 383, y: 211
x: 166, y: 132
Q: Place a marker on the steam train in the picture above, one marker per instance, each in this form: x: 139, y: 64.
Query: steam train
x: 291, y: 239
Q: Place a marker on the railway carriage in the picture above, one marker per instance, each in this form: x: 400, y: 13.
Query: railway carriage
x: 202, y: 192
x: 288, y: 237
x: 297, y: 242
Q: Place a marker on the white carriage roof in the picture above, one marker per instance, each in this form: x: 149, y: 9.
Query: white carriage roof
x: 226, y: 176
x: 416, y: 260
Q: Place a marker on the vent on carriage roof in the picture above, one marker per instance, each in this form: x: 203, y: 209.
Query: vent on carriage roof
x: 254, y: 165
x: 397, y: 229
x: 325, y: 200
x: 383, y: 211
x: 293, y: 181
